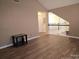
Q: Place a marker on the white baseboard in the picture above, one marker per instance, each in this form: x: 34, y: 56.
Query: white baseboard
x: 76, y: 37
x: 72, y: 36
x: 33, y: 37
x: 6, y: 46
x: 2, y: 47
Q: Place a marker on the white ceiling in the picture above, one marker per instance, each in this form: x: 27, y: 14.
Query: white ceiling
x: 52, y: 4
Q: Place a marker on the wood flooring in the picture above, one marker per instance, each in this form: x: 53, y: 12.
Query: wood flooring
x: 44, y: 47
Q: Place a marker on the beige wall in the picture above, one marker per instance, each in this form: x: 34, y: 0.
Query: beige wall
x: 18, y: 17
x: 71, y: 14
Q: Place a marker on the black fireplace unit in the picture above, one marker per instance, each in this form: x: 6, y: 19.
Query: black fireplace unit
x: 19, y: 39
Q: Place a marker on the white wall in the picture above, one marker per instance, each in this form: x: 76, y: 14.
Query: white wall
x: 18, y: 17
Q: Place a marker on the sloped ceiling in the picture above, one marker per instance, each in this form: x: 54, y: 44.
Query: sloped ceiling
x: 52, y: 4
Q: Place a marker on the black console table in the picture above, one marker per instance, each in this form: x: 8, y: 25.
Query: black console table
x: 19, y: 39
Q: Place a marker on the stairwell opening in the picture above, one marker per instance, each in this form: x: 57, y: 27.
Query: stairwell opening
x: 57, y: 25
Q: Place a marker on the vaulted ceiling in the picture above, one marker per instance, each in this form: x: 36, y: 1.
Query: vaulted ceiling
x: 52, y: 4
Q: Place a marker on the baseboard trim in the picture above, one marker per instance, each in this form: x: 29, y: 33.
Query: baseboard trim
x: 2, y: 47
x: 33, y: 37
x: 72, y: 36
x: 76, y: 37
x: 6, y: 46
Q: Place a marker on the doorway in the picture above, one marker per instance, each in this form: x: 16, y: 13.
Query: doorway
x: 42, y: 22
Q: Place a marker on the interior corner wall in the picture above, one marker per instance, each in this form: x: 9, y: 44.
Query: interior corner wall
x: 71, y: 14
x: 18, y: 17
